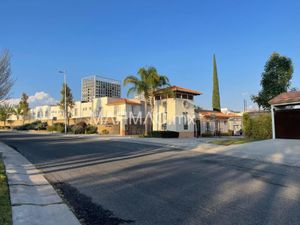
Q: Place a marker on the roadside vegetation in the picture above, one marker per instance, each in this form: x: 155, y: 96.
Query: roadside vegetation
x: 257, y: 126
x: 234, y: 141
x: 5, y: 207
x: 79, y: 128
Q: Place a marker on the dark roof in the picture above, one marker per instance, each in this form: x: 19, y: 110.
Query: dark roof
x: 286, y: 97
x: 180, y: 89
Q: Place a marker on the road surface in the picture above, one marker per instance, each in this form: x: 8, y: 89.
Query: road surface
x: 154, y: 185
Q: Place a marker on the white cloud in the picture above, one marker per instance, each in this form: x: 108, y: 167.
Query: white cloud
x: 38, y: 99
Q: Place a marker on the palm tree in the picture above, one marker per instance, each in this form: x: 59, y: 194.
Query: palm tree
x: 146, y: 84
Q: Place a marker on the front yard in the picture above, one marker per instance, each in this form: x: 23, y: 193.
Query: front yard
x: 5, y: 207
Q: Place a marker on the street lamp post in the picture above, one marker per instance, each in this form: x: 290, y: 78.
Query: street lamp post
x: 65, y: 87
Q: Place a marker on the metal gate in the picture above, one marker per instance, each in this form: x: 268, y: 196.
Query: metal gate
x: 287, y: 123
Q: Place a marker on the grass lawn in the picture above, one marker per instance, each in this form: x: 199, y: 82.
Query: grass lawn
x: 5, y: 208
x: 233, y: 141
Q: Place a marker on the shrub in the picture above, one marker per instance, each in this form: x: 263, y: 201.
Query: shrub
x: 229, y: 133
x: 50, y: 128
x: 104, y: 131
x: 5, y: 127
x: 59, y: 127
x: 39, y: 125
x: 247, y: 125
x: 258, y: 127
x: 90, y: 129
x: 165, y: 134
x: 207, y: 134
x: 79, y: 128
x: 36, y: 125
x: 83, y: 128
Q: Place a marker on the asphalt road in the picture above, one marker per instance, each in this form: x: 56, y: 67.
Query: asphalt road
x: 156, y: 186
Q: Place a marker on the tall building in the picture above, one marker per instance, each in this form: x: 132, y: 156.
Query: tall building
x: 96, y: 87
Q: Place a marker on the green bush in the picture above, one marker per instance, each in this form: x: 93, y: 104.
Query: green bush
x: 90, y: 129
x: 229, y: 133
x: 36, y: 125
x: 58, y: 127
x: 5, y: 127
x: 39, y: 125
x: 79, y: 128
x: 258, y: 127
x: 165, y: 134
x: 247, y: 125
x: 83, y: 128
x: 207, y: 134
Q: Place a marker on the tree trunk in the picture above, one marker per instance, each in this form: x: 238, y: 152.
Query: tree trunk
x: 151, y: 111
x: 146, y: 118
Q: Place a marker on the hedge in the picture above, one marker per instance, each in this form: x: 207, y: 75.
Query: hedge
x: 257, y: 127
x: 165, y: 134
x: 36, y: 125
x: 59, y: 127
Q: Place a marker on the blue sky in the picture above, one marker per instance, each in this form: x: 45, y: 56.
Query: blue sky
x: 115, y: 38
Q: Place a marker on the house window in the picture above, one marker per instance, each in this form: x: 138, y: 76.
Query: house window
x: 184, y: 96
x: 178, y: 95
x: 185, y: 121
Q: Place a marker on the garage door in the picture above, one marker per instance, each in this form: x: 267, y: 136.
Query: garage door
x: 287, y: 124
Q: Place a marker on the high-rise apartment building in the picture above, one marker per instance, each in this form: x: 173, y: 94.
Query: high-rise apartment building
x: 96, y: 87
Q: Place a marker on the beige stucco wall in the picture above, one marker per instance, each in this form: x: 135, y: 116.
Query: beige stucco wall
x: 174, y: 114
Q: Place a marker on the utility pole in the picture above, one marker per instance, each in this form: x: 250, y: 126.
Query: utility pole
x: 245, y: 105
x: 65, y: 87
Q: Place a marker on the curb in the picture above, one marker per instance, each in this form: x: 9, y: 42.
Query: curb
x: 34, y: 201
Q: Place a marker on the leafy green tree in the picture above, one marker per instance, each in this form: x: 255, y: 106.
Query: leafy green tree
x: 24, y: 107
x: 17, y: 111
x: 5, y: 111
x: 276, y: 79
x: 146, y: 84
x: 216, y: 105
x: 69, y: 100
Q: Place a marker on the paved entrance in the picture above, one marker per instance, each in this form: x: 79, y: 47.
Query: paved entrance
x: 283, y: 151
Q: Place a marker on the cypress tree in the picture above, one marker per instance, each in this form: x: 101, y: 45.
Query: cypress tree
x: 216, y: 105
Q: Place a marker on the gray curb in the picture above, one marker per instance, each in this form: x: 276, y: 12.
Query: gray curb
x: 33, y: 199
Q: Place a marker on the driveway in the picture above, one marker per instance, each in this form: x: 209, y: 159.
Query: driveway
x: 153, y: 185
x: 283, y: 151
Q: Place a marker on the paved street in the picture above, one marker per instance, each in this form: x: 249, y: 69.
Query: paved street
x: 153, y: 185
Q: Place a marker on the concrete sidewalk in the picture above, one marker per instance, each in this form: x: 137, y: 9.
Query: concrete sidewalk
x: 33, y: 199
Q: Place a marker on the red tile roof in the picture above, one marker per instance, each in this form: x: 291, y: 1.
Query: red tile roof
x: 122, y: 101
x: 209, y: 113
x: 180, y: 89
x: 286, y: 97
